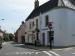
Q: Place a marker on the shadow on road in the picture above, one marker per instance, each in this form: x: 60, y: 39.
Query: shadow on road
x: 22, y: 45
x: 27, y: 46
x: 14, y: 43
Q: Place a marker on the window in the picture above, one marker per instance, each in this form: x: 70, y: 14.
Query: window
x: 37, y: 23
x: 30, y: 25
x: 46, y: 20
x: 33, y: 23
x: 28, y: 38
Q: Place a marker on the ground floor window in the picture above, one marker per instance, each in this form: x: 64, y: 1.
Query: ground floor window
x: 28, y: 38
x: 33, y: 38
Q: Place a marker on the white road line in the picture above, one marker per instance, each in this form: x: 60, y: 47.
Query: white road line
x: 58, y: 49
x: 37, y: 53
x: 47, y: 53
x: 54, y: 53
x: 73, y: 53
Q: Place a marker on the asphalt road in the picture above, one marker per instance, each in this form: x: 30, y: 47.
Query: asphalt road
x: 13, y: 49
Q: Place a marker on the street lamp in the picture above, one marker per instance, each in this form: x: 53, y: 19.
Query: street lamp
x: 51, y: 34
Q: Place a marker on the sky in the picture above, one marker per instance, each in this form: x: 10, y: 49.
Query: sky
x: 14, y: 12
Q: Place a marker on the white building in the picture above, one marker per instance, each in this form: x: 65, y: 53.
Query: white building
x: 62, y: 17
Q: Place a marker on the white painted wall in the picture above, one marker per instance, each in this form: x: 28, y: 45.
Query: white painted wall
x: 63, y: 26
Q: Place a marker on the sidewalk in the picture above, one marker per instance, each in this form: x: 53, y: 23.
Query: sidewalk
x: 41, y: 48
x: 37, y: 47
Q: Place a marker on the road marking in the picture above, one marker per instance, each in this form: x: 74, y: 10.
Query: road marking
x: 58, y: 49
x: 37, y: 53
x: 67, y: 49
x: 26, y: 53
x: 54, y: 53
x: 47, y: 53
x: 73, y: 53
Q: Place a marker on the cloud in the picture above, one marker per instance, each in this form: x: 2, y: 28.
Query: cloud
x: 15, y: 11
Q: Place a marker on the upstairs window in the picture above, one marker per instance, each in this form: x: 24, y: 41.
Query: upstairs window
x: 33, y: 23
x: 37, y: 23
x: 30, y: 25
x: 46, y: 20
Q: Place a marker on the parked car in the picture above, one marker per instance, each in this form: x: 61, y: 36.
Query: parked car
x: 0, y: 42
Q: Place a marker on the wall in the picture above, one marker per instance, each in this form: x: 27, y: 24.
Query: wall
x: 21, y: 32
x: 1, y: 34
x: 63, y: 26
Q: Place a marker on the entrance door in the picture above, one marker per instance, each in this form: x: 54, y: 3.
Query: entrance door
x: 43, y: 37
x: 23, y: 39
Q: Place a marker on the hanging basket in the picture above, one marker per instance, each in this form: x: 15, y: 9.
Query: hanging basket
x: 50, y: 25
x: 25, y: 32
x: 37, y: 30
x: 33, y: 31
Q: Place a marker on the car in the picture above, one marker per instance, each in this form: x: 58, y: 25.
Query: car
x: 0, y: 46
x: 0, y: 42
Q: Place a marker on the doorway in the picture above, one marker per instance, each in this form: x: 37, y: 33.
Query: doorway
x: 23, y: 39
x: 43, y: 37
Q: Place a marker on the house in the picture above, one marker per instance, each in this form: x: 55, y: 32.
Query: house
x: 50, y: 23
x: 20, y: 34
x: 60, y: 14
x: 30, y: 33
x: 1, y: 33
x: 33, y: 20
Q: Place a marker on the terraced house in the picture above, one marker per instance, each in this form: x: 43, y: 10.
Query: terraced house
x: 1, y: 33
x: 51, y: 21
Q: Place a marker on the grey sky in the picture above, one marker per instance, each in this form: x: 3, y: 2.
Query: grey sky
x: 15, y: 11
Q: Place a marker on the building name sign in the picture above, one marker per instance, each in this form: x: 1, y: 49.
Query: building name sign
x: 45, y: 29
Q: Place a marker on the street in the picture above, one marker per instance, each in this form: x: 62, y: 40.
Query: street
x: 13, y: 49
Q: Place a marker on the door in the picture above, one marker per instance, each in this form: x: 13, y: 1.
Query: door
x: 23, y: 39
x: 43, y: 37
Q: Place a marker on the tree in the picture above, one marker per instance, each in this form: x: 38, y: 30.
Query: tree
x: 8, y: 37
x: 11, y: 36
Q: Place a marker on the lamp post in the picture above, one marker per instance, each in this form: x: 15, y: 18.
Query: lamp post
x: 51, y: 34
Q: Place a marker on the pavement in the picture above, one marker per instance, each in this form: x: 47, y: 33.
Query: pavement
x: 37, y: 47
x: 41, y: 48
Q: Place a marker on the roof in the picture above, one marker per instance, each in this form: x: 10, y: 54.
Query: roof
x: 43, y: 8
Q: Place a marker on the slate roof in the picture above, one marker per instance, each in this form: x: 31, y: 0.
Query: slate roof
x: 43, y: 8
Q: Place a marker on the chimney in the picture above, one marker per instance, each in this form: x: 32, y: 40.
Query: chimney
x: 22, y: 22
x: 36, y: 4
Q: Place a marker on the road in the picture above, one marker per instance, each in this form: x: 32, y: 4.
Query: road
x: 13, y: 49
